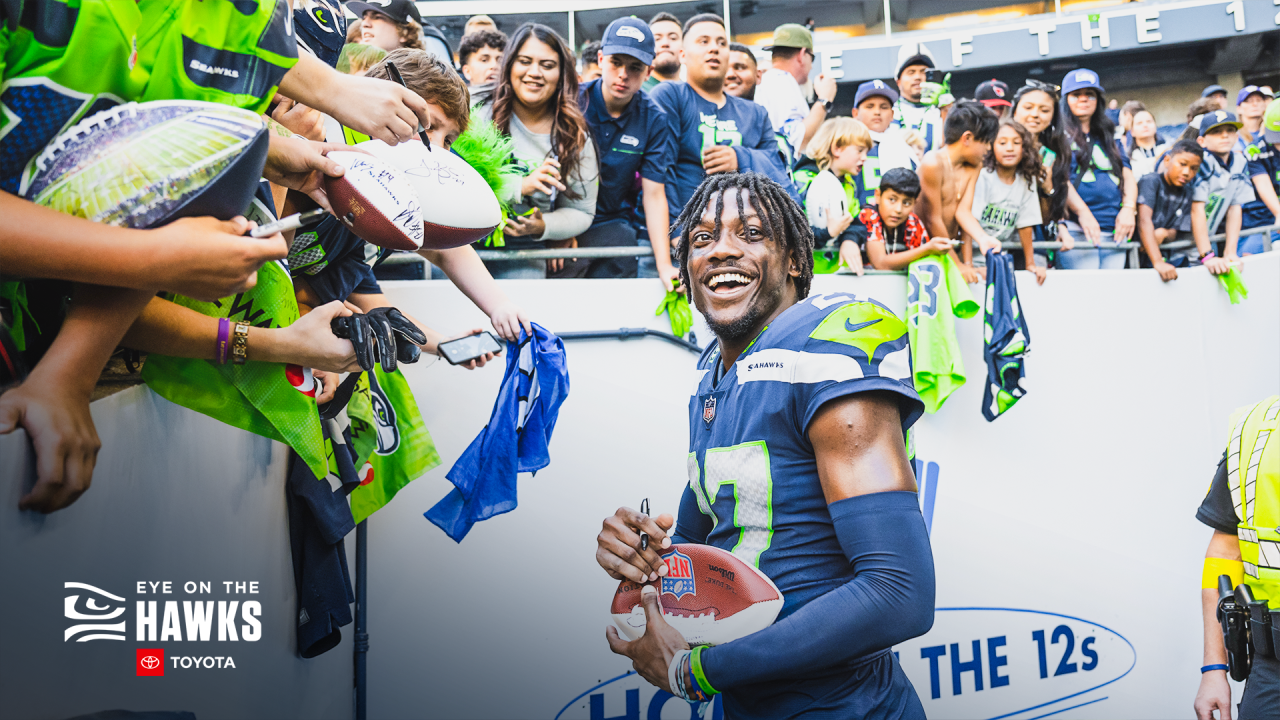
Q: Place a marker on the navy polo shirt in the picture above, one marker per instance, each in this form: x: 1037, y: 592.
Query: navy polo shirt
x: 637, y: 144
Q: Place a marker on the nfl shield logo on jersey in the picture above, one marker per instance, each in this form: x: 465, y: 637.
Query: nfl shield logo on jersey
x: 709, y: 410
x: 679, y: 579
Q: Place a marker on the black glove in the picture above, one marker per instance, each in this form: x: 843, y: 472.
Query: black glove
x: 374, y: 336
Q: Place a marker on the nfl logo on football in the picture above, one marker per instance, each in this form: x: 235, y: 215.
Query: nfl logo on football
x: 679, y: 580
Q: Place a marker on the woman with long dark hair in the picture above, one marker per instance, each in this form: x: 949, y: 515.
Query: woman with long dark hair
x: 1101, y: 174
x: 535, y: 103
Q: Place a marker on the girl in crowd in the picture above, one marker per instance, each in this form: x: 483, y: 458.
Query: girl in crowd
x: 1146, y: 148
x: 1035, y: 106
x: 535, y: 103
x: 1101, y: 175
x: 1004, y: 199
x: 1124, y: 124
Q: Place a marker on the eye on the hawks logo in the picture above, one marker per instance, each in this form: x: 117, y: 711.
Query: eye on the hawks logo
x: 384, y: 417
x: 679, y: 580
x: 99, y: 606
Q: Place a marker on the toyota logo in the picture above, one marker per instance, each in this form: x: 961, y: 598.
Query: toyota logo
x: 150, y: 662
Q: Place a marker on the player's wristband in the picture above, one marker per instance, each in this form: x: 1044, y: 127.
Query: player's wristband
x: 699, y: 674
x: 1211, y: 668
x: 224, y: 340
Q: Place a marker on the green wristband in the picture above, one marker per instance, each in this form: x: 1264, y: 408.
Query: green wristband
x: 698, y: 673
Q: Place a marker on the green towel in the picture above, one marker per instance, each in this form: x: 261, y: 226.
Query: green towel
x: 937, y: 295
x: 1234, y: 285
x: 676, y: 306
x: 392, y: 444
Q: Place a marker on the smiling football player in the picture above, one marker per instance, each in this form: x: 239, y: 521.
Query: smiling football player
x: 797, y: 465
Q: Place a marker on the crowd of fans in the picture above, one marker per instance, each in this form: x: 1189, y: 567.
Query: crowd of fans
x: 608, y: 148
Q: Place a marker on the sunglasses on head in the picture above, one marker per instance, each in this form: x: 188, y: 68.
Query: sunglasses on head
x: 1044, y: 86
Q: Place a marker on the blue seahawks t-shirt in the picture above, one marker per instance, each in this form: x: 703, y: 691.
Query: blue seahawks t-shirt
x: 1101, y: 186
x: 332, y: 259
x: 1264, y: 160
x: 697, y: 123
x: 636, y: 144
x: 753, y: 477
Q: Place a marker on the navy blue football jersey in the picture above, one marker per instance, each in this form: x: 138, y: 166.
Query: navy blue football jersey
x: 753, y: 477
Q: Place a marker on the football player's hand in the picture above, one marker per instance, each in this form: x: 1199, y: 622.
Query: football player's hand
x: 618, y: 546
x: 299, y: 164
x: 56, y: 418
x: 652, y: 652
x: 1167, y: 271
x: 508, y: 319
x: 1214, y: 694
x: 718, y: 159
x: 207, y: 259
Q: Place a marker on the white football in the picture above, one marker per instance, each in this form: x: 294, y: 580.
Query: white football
x: 375, y: 201
x: 458, y: 206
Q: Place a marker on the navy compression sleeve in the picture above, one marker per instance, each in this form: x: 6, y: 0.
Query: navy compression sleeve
x: 889, y: 600
x: 692, y: 526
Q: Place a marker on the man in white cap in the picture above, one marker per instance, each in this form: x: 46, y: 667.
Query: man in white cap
x: 910, y: 112
x: 779, y: 89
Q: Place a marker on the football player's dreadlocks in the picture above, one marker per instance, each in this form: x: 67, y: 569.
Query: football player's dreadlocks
x: 782, y: 218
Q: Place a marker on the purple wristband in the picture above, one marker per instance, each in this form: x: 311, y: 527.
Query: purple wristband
x: 224, y: 340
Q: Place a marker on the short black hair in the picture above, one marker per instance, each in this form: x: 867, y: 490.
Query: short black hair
x: 1186, y: 146
x: 701, y: 18
x: 590, y: 53
x: 739, y: 47
x: 903, y: 181
x: 472, y: 43
x: 782, y: 217
x: 972, y: 117
x: 664, y: 17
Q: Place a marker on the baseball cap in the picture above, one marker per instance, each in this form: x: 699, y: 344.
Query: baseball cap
x: 1212, y: 89
x: 913, y: 54
x: 1218, y: 118
x: 791, y: 35
x: 629, y: 36
x: 1248, y: 90
x: 1271, y: 122
x: 993, y: 93
x: 398, y: 10
x: 1080, y: 80
x: 873, y: 88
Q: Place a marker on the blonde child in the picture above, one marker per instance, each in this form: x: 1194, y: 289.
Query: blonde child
x: 831, y: 197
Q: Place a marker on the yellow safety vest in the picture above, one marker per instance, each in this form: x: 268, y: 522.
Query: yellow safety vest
x: 1253, y: 475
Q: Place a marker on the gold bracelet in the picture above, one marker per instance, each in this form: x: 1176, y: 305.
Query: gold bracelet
x: 240, y: 343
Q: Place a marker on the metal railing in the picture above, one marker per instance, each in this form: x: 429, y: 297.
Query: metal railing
x: 1133, y: 247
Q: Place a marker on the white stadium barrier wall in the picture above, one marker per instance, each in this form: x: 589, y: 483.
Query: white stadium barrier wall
x: 1067, y: 552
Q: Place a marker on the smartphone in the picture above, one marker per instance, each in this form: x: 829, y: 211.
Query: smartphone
x: 466, y: 349
x: 934, y: 76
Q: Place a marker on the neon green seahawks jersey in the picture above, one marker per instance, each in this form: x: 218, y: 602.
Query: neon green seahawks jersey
x: 937, y: 295
x: 63, y: 60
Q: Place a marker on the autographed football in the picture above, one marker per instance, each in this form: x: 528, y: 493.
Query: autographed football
x: 709, y: 595
x: 375, y: 201
x: 458, y: 206
x: 141, y: 165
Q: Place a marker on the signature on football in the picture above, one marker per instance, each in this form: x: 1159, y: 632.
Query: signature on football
x: 442, y: 173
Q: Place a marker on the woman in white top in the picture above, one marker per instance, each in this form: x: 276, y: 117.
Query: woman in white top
x: 1146, y: 147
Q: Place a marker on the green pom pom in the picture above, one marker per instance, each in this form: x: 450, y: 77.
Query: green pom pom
x: 488, y: 151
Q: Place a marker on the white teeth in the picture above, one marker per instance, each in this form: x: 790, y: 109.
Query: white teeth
x: 728, y: 277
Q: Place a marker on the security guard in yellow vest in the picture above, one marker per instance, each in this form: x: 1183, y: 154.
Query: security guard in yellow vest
x: 1243, y: 508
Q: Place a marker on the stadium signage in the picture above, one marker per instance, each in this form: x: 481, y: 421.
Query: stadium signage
x: 1050, y: 37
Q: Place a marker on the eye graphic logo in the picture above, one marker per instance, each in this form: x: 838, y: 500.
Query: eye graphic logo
x: 150, y: 662
x: 99, y: 606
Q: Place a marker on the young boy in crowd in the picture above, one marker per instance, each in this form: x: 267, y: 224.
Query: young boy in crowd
x: 1222, y: 188
x: 1164, y: 202
x: 480, y: 56
x: 946, y: 174
x: 831, y: 202
x: 873, y: 107
x: 895, y: 236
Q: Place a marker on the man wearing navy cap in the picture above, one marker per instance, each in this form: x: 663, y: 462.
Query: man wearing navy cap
x: 873, y: 107
x: 1221, y: 188
x: 1264, y: 166
x: 1218, y: 93
x: 910, y: 111
x: 634, y: 139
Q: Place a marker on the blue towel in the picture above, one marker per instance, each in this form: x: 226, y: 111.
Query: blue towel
x: 534, y: 385
x: 1007, y: 338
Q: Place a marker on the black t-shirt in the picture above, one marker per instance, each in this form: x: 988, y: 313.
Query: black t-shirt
x: 1218, y: 511
x: 1169, y: 204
